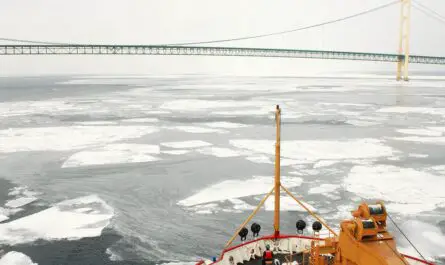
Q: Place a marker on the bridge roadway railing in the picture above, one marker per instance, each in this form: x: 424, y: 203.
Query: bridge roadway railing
x: 207, y: 51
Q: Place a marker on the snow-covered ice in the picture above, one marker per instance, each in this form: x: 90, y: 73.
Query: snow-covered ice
x: 62, y: 221
x: 230, y: 189
x: 314, y: 150
x: 186, y: 144
x: 324, y: 188
x: 66, y: 138
x: 16, y: 258
x: 113, y: 154
x: 403, y: 189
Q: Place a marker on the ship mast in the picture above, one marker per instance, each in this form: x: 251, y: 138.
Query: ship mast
x: 276, y: 189
x: 277, y: 172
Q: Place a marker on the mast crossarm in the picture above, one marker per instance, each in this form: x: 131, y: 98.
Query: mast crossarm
x: 250, y: 217
x: 308, y: 210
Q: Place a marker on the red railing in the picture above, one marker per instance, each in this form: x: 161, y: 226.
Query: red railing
x: 418, y: 260
x: 270, y: 237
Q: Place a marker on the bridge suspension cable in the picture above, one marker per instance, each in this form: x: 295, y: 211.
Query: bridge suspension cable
x: 34, y: 41
x: 230, y: 39
x: 291, y: 30
x: 428, y: 11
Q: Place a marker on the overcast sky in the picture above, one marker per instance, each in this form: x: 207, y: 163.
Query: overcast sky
x: 170, y: 21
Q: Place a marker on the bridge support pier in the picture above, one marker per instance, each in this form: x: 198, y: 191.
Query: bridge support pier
x: 403, y: 60
x: 402, y: 70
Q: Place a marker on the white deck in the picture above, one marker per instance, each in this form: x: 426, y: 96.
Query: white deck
x: 250, y: 253
x: 255, y: 249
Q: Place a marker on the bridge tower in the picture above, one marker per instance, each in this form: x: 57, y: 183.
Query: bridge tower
x: 405, y: 19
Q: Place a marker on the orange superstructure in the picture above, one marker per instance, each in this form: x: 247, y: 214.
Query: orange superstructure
x: 362, y: 240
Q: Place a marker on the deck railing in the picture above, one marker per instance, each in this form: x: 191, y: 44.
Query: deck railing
x: 287, y: 244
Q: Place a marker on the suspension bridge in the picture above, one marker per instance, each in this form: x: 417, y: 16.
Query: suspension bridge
x: 403, y: 58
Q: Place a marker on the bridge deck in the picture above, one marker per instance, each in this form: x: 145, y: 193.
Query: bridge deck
x: 208, y: 51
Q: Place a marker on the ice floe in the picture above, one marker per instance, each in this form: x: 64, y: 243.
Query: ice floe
x: 96, y: 122
x: 428, y: 140
x: 439, y: 129
x: 310, y: 89
x: 287, y: 204
x: 361, y: 123
x: 297, y: 173
x: 236, y: 206
x: 209, y: 208
x: 186, y: 144
x: 421, y: 132
x: 342, y: 212
x: 324, y: 188
x: 141, y: 120
x: 3, y: 215
x: 23, y: 191
x: 18, y: 108
x: 404, y: 190
x: 62, y: 221
x: 332, y: 196
x: 225, y: 125
x: 439, y: 169
x: 260, y: 159
x: 313, y: 150
x: 19, y: 202
x: 343, y: 104
x: 428, y: 134
x: 156, y: 112
x: 325, y: 163
x: 409, y: 208
x: 23, y: 196
x: 241, y: 205
x: 420, y: 110
x: 309, y: 171
x: 176, y: 152
x: 194, y: 129
x: 230, y: 189
x: 111, y: 80
x: 113, y: 154
x: 112, y: 255
x: 219, y: 151
x: 16, y: 258
x: 84, y: 210
x: 429, y: 239
x: 203, y: 105
x: 250, y: 112
x: 418, y: 155
x: 348, y: 113
x: 66, y: 138
x: 291, y: 162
